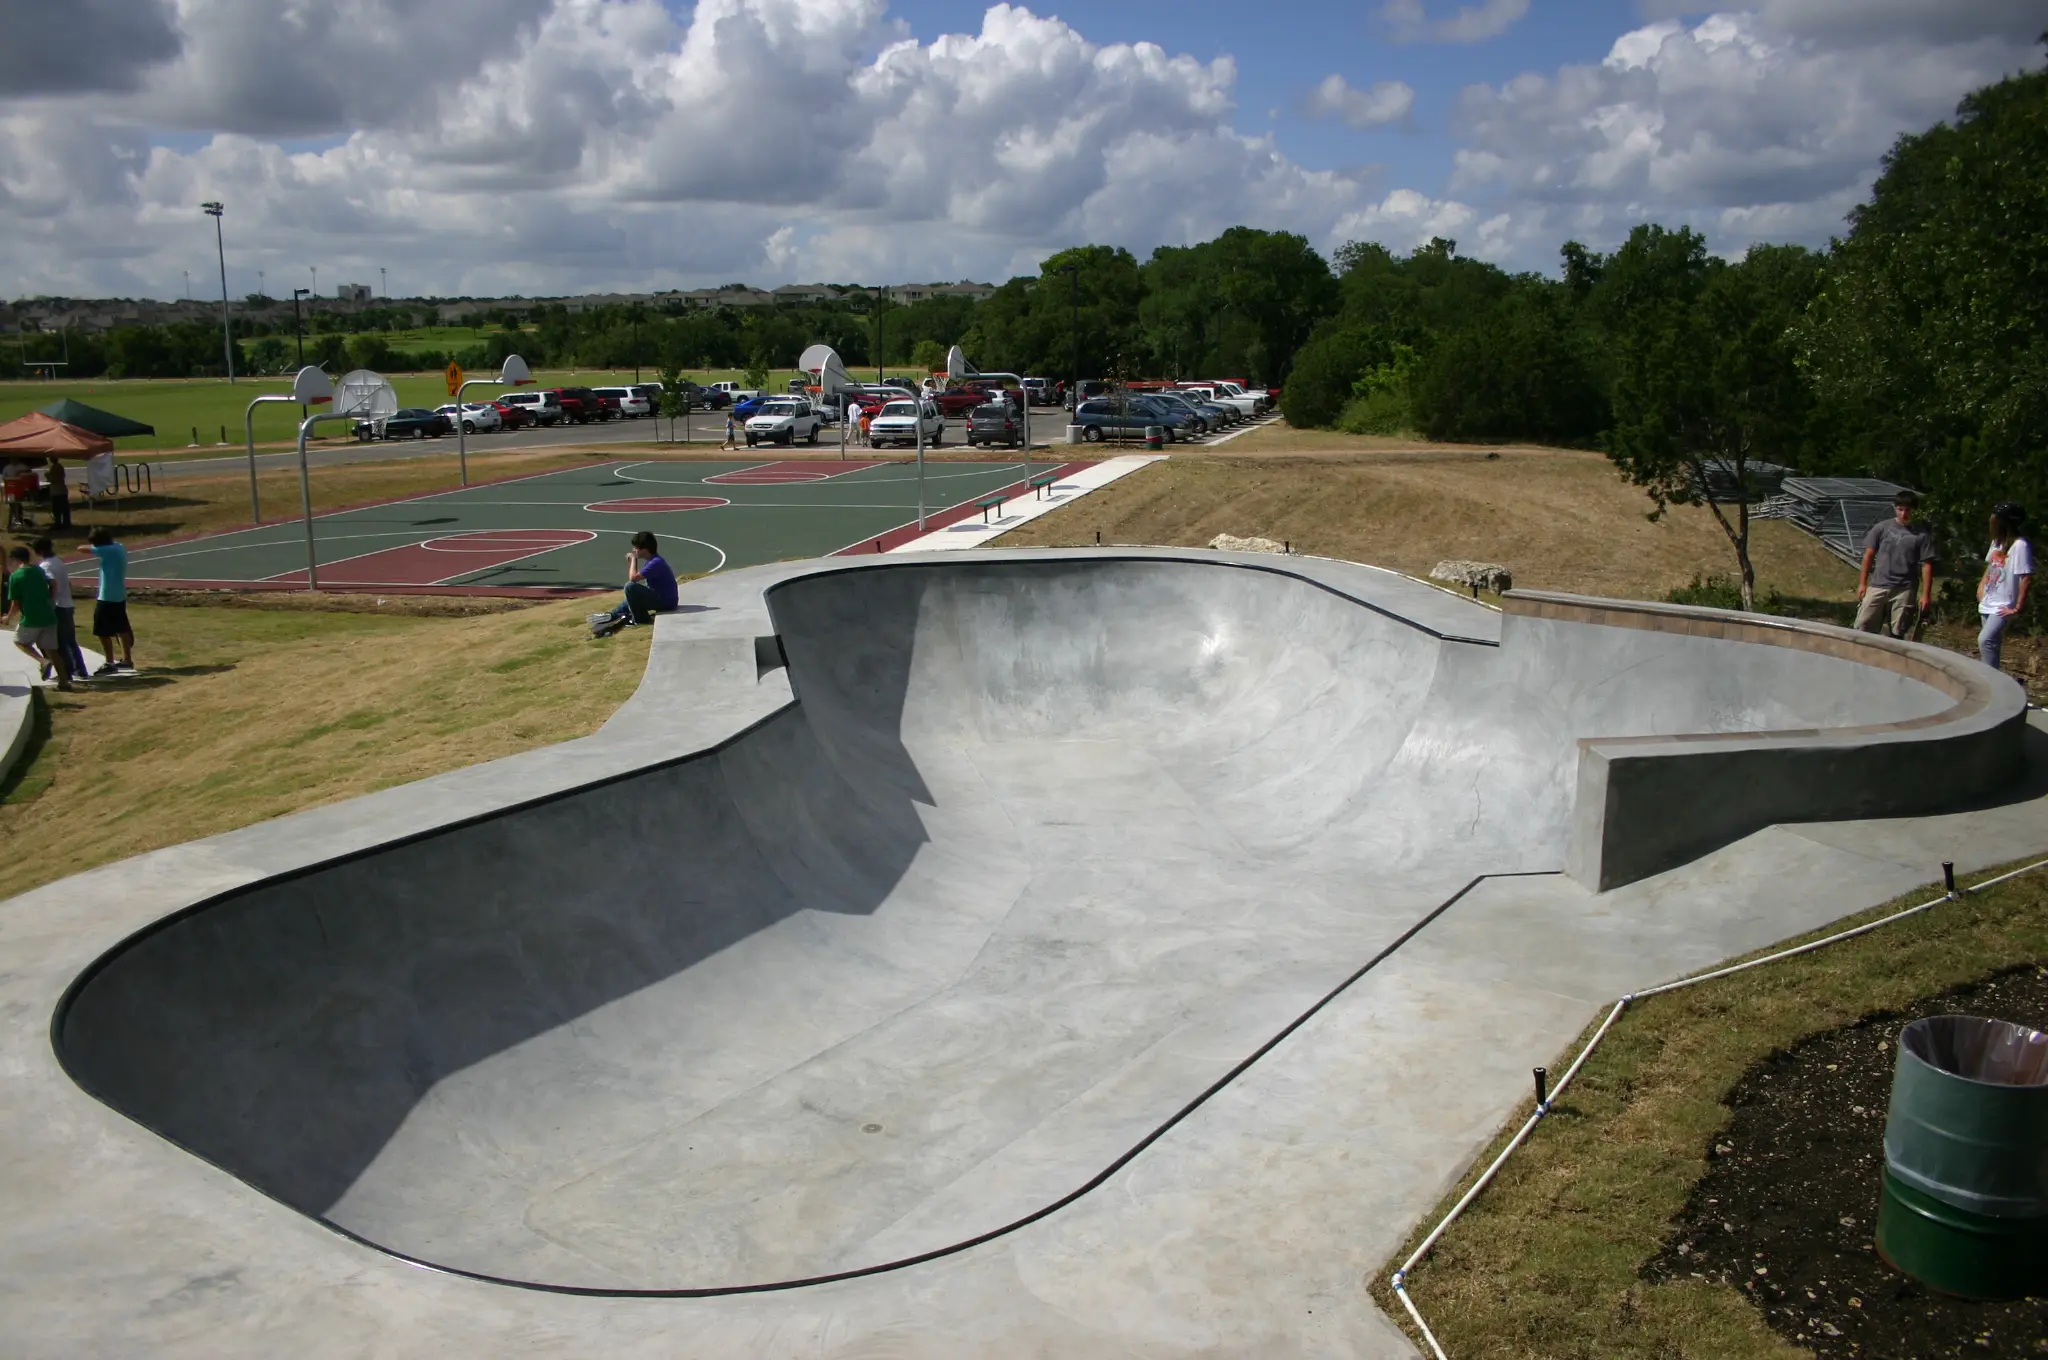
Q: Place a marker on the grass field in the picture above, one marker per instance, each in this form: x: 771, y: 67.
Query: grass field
x: 1560, y: 519
x: 1548, y: 1261
x: 176, y: 407
x: 245, y: 714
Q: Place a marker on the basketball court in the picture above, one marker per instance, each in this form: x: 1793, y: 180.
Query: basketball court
x: 569, y: 531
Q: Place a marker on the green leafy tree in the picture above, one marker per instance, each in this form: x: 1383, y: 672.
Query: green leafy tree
x: 675, y: 400
x: 1706, y: 380
x: 1928, y: 341
x: 756, y: 373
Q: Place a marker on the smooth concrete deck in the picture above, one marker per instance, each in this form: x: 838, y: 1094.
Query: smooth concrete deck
x: 807, y: 969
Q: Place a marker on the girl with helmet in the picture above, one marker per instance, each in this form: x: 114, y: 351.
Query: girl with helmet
x: 2008, y: 569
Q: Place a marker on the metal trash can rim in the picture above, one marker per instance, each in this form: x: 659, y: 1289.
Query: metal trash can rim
x: 1973, y: 1048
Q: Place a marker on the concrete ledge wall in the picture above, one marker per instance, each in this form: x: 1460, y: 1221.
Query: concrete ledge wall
x: 1649, y: 803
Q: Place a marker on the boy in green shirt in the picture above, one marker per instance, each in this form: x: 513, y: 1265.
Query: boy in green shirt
x: 28, y: 592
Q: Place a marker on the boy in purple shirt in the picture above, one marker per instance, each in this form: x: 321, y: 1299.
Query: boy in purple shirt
x: 650, y: 589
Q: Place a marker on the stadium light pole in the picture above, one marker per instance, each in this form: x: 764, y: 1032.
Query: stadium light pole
x: 220, y: 250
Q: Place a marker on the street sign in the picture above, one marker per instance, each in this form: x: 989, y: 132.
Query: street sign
x: 454, y: 379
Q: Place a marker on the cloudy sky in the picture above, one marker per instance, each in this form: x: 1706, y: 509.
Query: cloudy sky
x: 551, y: 146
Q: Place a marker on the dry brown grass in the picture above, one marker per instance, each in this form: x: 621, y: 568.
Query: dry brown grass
x: 1560, y: 519
x: 1548, y: 1261
x: 246, y: 714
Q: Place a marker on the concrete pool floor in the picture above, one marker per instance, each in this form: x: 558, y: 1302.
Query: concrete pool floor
x: 1250, y: 1227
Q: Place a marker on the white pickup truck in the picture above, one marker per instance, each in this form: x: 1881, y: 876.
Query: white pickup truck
x: 1221, y: 394
x: 784, y: 420
x: 733, y: 390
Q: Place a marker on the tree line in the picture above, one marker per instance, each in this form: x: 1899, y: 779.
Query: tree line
x: 1914, y: 348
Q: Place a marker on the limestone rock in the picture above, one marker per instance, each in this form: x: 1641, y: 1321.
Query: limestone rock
x: 1487, y: 576
x: 1232, y: 543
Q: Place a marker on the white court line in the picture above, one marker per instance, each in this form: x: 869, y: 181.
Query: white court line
x: 1028, y: 505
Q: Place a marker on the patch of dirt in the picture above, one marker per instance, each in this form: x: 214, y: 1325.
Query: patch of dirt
x: 414, y: 606
x: 1788, y: 1207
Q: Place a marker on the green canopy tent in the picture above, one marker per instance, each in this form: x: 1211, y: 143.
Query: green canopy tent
x: 92, y: 418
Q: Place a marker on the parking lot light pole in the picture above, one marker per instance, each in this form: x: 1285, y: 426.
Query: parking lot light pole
x: 1072, y: 269
x: 299, y: 325
x: 514, y: 374
x: 220, y: 250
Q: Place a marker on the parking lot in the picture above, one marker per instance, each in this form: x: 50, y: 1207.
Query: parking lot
x: 1048, y: 430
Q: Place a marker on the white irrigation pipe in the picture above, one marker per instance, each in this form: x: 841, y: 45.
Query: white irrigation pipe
x: 1399, y: 1281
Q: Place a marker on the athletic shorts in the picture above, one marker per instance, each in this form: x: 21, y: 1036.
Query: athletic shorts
x: 110, y: 618
x: 43, y: 639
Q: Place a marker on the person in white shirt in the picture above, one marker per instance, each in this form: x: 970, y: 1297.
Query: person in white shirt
x: 67, y: 610
x: 2008, y: 570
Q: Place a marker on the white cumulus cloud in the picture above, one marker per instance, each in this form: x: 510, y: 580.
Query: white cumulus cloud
x: 1408, y: 21
x: 1381, y: 103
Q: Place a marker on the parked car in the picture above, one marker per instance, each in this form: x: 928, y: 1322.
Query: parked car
x: 1217, y: 393
x: 417, y: 422
x: 958, y: 401
x: 898, y: 423
x: 746, y: 408
x: 995, y: 422
x: 581, y: 405
x: 784, y: 420
x: 1109, y: 418
x: 652, y: 394
x: 1040, y: 391
x: 1201, y: 419
x: 476, y: 416
x: 733, y: 392
x: 629, y: 402
x: 1177, y: 421
x: 511, y: 415
x: 542, y: 408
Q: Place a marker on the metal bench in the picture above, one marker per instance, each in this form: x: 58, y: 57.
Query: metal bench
x: 988, y: 503
x: 1042, y: 483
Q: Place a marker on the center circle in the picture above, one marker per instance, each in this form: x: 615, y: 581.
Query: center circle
x: 656, y: 505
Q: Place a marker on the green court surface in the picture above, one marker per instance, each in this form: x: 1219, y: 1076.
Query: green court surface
x: 570, y: 530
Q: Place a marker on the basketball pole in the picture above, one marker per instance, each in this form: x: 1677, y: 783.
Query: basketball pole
x: 249, y: 428
x: 306, y: 491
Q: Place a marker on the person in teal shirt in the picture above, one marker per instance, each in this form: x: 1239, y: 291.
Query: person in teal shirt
x: 110, y: 609
x: 28, y: 594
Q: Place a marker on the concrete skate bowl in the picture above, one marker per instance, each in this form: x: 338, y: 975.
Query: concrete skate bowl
x: 1038, y: 852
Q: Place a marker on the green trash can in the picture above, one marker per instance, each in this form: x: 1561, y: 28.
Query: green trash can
x: 1965, y: 1206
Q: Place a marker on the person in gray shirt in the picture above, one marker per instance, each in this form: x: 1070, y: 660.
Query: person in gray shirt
x: 1898, y: 564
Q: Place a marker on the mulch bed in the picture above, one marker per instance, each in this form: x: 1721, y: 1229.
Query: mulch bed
x: 1788, y: 1206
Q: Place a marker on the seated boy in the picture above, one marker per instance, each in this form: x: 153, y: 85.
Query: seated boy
x: 650, y: 589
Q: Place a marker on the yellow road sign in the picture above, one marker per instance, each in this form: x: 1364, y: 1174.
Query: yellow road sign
x: 454, y: 379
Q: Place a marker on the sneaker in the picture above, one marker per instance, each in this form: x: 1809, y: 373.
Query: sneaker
x: 111, y: 668
x: 49, y: 672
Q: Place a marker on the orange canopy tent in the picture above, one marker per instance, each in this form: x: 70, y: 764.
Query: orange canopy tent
x: 36, y: 435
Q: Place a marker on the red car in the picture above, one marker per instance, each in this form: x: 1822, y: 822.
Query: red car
x: 514, y: 417
x: 580, y: 405
x: 955, y: 402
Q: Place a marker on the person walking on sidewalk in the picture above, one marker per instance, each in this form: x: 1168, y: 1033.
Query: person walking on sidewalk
x: 2008, y: 570
x: 52, y: 566
x: 110, y: 610
x: 28, y: 595
x: 732, y: 430
x: 1898, y: 564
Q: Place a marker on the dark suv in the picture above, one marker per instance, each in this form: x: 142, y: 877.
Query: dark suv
x: 581, y: 405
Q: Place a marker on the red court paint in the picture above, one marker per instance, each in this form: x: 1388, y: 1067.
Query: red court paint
x: 656, y: 505
x: 951, y: 515
x: 781, y: 474
x: 438, y: 559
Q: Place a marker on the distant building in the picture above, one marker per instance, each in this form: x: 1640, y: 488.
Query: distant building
x: 354, y: 292
x: 904, y: 294
x: 806, y: 292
